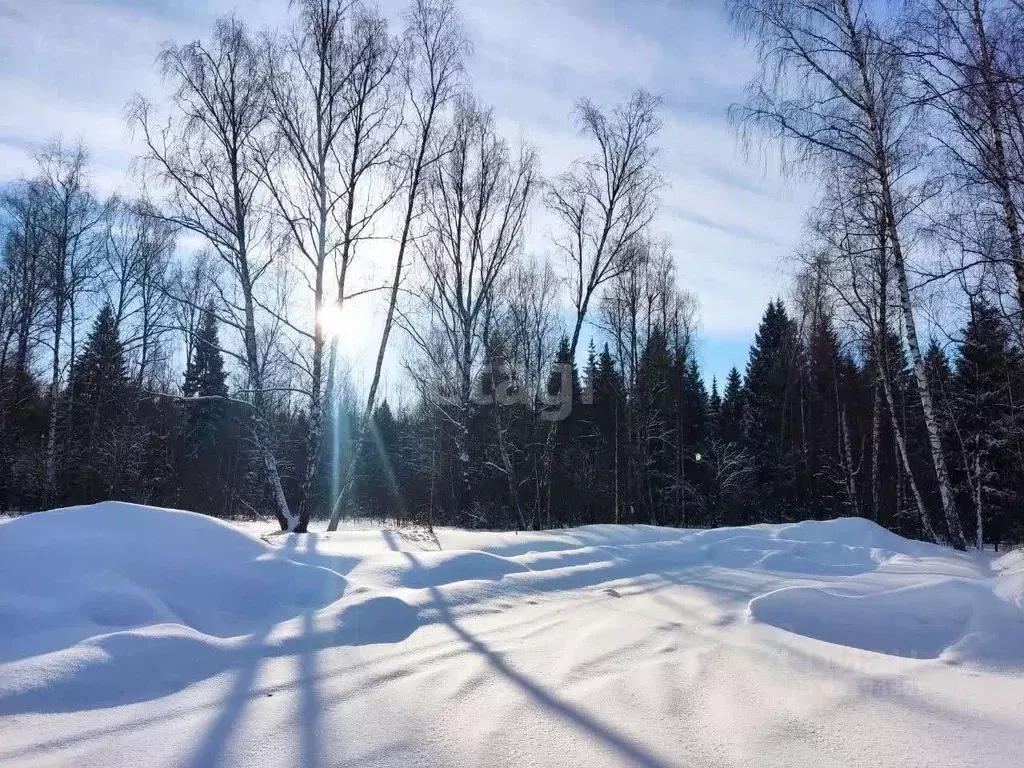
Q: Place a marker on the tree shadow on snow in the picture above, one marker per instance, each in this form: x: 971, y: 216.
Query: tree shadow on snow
x: 633, y: 753
x: 150, y: 663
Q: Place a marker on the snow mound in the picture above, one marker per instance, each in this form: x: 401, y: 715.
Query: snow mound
x: 75, y: 573
x: 952, y: 619
x: 426, y: 570
x: 853, y: 532
x: 1009, y: 584
x: 1011, y: 561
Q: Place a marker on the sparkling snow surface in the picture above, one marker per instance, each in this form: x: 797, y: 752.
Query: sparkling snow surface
x: 133, y: 636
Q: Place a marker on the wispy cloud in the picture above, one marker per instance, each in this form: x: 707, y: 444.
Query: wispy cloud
x: 729, y: 222
x: 736, y: 230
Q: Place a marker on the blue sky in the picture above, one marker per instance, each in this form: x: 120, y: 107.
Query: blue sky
x: 69, y: 66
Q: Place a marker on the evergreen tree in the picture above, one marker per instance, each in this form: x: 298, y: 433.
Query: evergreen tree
x: 823, y: 475
x: 693, y: 443
x: 653, y: 419
x: 556, y: 379
x: 730, y: 414
x: 105, y: 443
x: 381, y: 495
x: 209, y: 446
x: 569, y: 488
x: 100, y: 385
x: 608, y: 420
x: 988, y: 419
x: 771, y: 415
x: 204, y: 375
x: 714, y: 405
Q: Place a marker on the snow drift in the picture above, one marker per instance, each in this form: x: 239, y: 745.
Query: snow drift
x: 135, y: 593
x: 72, y: 573
x: 188, y: 641
x: 950, y: 618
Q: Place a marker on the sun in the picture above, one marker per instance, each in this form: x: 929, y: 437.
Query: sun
x: 330, y: 320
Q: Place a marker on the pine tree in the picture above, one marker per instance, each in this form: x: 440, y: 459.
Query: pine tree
x: 208, y: 447
x: 204, y: 375
x: 105, y: 445
x: 714, y: 405
x: 770, y: 418
x: 988, y: 420
x: 101, y: 386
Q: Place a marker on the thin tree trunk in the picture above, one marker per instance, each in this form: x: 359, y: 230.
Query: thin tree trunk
x: 617, y: 502
x: 389, y: 321
x: 882, y: 167
x: 931, y: 423
x: 51, y: 435
x: 901, y: 445
x: 261, y: 429
x: 999, y: 162
x: 980, y: 525
x: 851, y: 477
x: 876, y: 447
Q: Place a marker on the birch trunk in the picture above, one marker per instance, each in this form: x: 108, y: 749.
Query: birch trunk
x: 980, y: 524
x: 999, y: 166
x: 51, y: 433
x: 883, y: 168
x: 901, y: 446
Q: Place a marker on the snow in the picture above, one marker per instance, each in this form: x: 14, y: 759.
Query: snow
x: 132, y: 635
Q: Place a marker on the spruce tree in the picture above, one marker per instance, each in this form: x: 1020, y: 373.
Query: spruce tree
x: 100, y: 387
x: 692, y: 423
x: 770, y: 419
x: 204, y: 375
x: 822, y: 468
x: 714, y: 405
x: 988, y: 420
x: 380, y: 494
x: 610, y: 419
x: 100, y: 427
x: 208, y: 446
x: 730, y: 414
x: 556, y: 378
x: 653, y: 417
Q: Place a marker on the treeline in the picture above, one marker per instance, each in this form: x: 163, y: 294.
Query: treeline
x: 182, y: 349
x: 910, y: 120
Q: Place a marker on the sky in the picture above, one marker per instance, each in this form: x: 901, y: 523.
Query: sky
x: 68, y: 67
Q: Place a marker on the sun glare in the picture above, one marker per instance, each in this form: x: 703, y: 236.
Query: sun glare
x: 330, y: 321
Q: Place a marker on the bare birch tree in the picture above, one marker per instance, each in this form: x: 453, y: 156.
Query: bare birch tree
x: 476, y: 204
x: 834, y: 90
x: 71, y: 220
x: 205, y: 157
x: 433, y: 51
x: 960, y: 63
x: 136, y: 265
x: 604, y: 203
x: 23, y: 273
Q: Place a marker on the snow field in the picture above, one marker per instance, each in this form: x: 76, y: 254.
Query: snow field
x: 133, y: 635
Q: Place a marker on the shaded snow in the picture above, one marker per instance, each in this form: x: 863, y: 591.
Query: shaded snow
x: 131, y: 635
